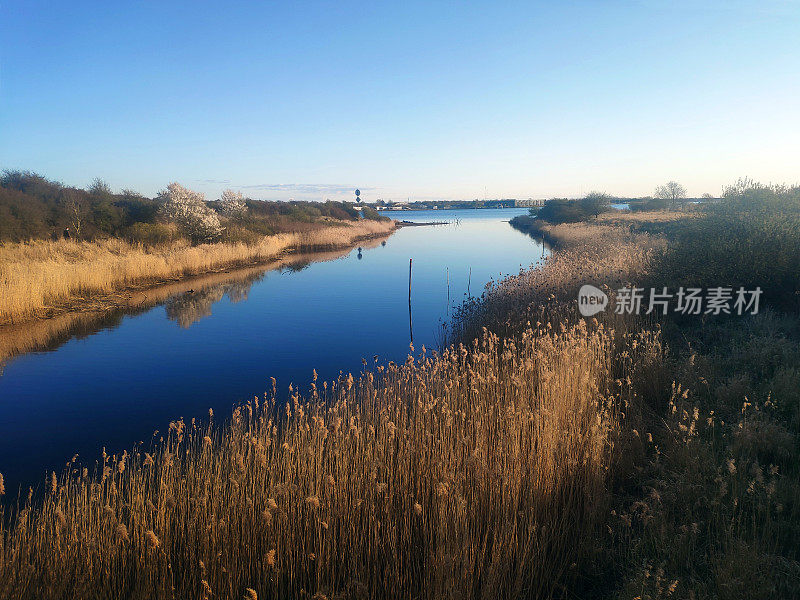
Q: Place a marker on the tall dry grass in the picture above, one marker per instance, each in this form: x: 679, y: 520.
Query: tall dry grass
x: 37, y: 275
x: 705, y: 478
x: 477, y: 473
x: 605, y: 256
x: 650, y: 216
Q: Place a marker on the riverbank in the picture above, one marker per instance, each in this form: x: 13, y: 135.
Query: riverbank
x: 103, y: 312
x: 612, y: 227
x: 42, y: 279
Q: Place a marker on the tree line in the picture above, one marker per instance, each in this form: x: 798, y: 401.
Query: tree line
x: 669, y: 196
x: 34, y: 207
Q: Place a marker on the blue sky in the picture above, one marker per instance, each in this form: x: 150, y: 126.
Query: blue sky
x: 402, y: 99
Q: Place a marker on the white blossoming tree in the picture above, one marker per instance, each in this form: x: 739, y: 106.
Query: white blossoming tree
x: 232, y: 205
x: 188, y: 210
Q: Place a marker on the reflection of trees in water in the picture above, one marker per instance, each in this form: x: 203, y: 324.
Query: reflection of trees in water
x: 188, y: 308
x: 296, y: 266
x: 49, y: 334
x: 185, y: 308
x: 303, y: 261
x: 238, y: 290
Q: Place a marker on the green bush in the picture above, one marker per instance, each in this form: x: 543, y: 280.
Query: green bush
x: 339, y: 210
x: 750, y: 239
x: 151, y: 234
x: 560, y: 210
x: 648, y: 204
x: 563, y: 210
x: 246, y: 235
x: 371, y: 214
x: 32, y: 206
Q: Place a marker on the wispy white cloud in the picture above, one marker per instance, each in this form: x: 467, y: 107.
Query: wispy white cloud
x: 214, y: 181
x: 304, y: 188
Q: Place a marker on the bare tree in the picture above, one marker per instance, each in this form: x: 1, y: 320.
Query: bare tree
x: 672, y: 191
x: 595, y: 203
x: 76, y: 209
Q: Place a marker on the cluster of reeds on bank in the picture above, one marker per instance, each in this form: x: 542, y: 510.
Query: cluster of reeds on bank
x: 475, y: 473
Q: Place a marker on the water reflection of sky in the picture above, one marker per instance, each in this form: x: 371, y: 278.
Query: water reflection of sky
x: 218, y: 345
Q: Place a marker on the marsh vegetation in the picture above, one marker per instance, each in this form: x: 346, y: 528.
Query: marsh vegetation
x: 112, y: 242
x: 540, y: 455
x: 39, y: 276
x: 474, y: 471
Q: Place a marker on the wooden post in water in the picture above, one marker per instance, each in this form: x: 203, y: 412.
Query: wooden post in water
x: 410, y: 328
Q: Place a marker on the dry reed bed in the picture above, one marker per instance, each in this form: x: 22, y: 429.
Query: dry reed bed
x: 570, y: 235
x: 40, y: 274
x: 649, y: 216
x: 475, y: 473
x: 606, y: 232
x: 704, y: 499
x: 604, y: 256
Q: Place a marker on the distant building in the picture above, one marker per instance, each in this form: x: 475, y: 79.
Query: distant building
x: 528, y: 203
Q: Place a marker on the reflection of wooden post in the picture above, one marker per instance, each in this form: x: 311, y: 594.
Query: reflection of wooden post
x: 447, y: 270
x: 409, y: 279
x: 410, y: 329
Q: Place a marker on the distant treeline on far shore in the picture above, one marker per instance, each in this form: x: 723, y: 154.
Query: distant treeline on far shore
x: 641, y: 203
x: 34, y: 207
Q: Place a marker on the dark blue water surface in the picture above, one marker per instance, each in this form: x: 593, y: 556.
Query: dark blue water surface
x: 219, y: 345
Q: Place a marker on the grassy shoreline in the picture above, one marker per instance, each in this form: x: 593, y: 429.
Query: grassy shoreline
x: 100, y: 312
x: 42, y: 279
x: 610, y: 227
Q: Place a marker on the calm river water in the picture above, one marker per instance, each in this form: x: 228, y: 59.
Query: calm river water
x: 113, y: 381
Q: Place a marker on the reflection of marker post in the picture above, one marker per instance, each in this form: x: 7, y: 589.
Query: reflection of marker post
x: 410, y: 329
x: 447, y: 269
